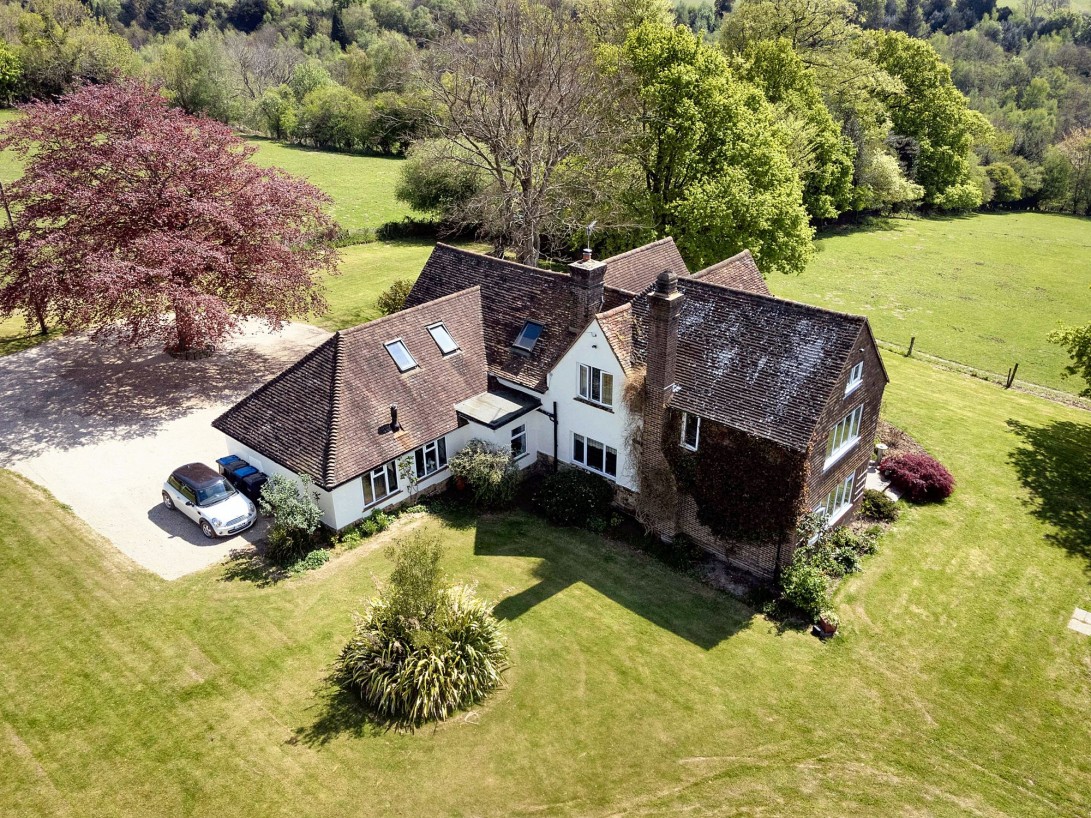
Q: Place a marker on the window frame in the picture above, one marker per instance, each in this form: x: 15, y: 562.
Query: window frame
x: 588, y: 382
x: 439, y: 325
x: 856, y: 378
x: 519, y: 433
x: 845, y: 490
x: 585, y: 444
x: 523, y: 347
x: 399, y: 342
x: 848, y: 430
x: 420, y: 458
x: 697, y: 432
x: 389, y: 471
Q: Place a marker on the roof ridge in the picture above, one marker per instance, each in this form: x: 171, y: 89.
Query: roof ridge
x: 382, y: 319
x: 494, y: 260
x: 333, y: 425
x: 628, y: 305
x: 775, y: 298
x: 724, y: 262
x: 617, y: 256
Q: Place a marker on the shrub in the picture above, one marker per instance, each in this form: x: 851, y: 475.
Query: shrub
x: 392, y: 299
x: 422, y: 651
x: 379, y: 521
x: 489, y: 471
x: 804, y: 585
x: 295, y: 514
x: 575, y: 498
x: 919, y: 477
x: 315, y: 559
x: 877, y: 506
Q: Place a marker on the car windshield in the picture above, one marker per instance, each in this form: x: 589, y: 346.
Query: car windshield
x: 214, y: 493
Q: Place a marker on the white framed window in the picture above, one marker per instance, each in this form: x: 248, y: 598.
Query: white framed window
x: 596, y: 386
x: 691, y: 431
x: 856, y: 377
x: 380, y: 483
x: 838, y: 501
x: 400, y: 353
x: 595, y: 456
x: 447, y: 345
x: 519, y: 441
x: 430, y: 458
x: 843, y: 436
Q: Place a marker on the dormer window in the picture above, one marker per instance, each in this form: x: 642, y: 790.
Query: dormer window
x: 856, y: 377
x: 400, y: 353
x: 528, y: 337
x: 443, y: 339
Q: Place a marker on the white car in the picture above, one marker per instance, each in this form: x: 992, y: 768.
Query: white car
x: 209, y: 500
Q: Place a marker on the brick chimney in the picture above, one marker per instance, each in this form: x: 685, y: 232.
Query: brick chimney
x: 664, y: 313
x: 588, y: 276
x: 665, y: 309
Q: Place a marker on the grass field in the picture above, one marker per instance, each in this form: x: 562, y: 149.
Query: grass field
x: 362, y: 187
x: 983, y: 290
x: 955, y: 688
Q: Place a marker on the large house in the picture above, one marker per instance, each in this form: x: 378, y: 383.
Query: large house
x: 717, y: 410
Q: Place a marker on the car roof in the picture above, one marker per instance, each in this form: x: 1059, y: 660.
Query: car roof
x: 197, y: 475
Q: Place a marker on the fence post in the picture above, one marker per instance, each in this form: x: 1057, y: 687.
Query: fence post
x: 1011, y: 376
x: 912, y: 341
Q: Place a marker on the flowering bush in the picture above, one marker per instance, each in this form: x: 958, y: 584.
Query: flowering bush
x: 919, y: 477
x: 489, y: 471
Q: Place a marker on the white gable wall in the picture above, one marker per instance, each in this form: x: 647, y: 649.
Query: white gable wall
x: 576, y: 416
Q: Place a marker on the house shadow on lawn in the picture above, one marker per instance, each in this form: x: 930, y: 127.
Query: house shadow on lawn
x: 1054, y: 464
x: 670, y: 600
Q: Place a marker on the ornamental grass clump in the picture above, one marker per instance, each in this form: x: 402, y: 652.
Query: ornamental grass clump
x: 422, y: 650
x: 920, y: 478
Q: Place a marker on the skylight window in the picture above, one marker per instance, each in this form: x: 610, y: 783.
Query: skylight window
x: 528, y: 337
x: 443, y: 339
x: 400, y: 353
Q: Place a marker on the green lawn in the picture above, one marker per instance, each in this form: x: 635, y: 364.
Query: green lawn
x: 955, y: 689
x: 983, y: 290
x: 362, y: 187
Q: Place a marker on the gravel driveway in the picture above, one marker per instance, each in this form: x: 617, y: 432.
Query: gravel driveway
x: 101, y: 428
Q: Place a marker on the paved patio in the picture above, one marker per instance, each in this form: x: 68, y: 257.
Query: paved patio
x: 102, y: 427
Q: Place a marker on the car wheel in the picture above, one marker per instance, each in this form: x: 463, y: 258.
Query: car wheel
x: 169, y: 503
x: 206, y: 529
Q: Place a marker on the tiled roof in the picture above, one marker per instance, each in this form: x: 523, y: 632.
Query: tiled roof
x: 635, y: 270
x: 754, y: 362
x: 328, y: 415
x: 511, y: 295
x: 617, y: 326
x: 738, y: 272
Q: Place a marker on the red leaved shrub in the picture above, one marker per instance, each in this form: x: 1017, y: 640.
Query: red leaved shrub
x: 918, y: 477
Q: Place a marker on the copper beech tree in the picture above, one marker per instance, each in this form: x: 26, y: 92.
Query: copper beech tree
x: 140, y: 223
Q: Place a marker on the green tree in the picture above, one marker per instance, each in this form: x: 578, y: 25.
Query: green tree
x: 295, y: 514
x: 1007, y: 186
x: 11, y: 73
x: 935, y: 115
x: 1077, y: 342
x: 823, y: 158
x: 715, y: 168
x: 194, y: 73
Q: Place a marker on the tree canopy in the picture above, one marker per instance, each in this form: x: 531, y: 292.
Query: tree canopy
x: 715, y: 167
x: 136, y: 220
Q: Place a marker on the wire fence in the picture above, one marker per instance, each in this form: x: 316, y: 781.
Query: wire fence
x: 1006, y: 380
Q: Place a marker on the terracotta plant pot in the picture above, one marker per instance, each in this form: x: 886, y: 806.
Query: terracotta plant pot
x: 460, y: 483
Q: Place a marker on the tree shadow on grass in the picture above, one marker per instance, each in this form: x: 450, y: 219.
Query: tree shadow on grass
x: 1054, y: 465
x: 672, y: 601
x: 247, y: 565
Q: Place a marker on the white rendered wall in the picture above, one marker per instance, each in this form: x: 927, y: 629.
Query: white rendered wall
x: 579, y: 417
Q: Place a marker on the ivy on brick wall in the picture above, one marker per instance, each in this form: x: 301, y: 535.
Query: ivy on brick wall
x: 745, y: 488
